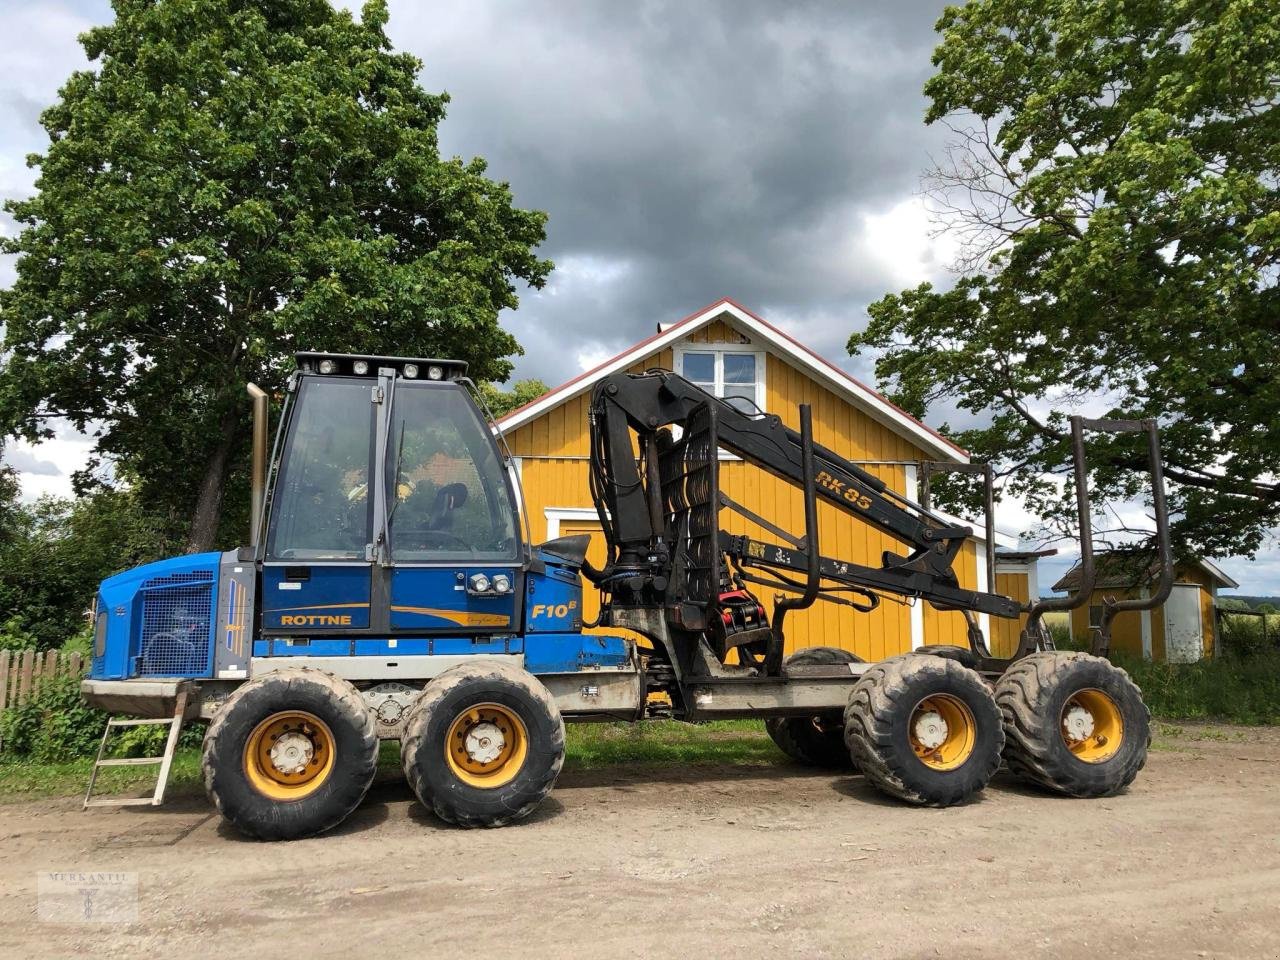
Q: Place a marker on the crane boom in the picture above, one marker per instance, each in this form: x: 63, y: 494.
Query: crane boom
x: 656, y: 439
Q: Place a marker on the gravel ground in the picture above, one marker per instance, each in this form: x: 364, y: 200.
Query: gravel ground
x: 757, y: 861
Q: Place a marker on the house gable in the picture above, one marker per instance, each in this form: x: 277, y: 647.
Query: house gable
x: 728, y: 322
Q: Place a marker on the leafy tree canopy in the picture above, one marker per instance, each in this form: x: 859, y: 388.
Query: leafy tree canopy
x: 501, y: 402
x: 1115, y: 183
x: 234, y: 180
x: 74, y: 545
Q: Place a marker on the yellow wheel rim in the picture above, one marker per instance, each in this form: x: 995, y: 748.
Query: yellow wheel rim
x: 289, y: 755
x: 1092, y: 726
x: 487, y: 745
x: 942, y: 732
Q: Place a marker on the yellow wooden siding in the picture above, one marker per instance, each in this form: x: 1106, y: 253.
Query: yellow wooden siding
x: 1126, y: 629
x: 1003, y: 640
x: 554, y: 468
x: 717, y: 331
x: 948, y: 626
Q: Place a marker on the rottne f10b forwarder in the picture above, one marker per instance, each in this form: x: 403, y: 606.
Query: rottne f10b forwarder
x: 388, y: 592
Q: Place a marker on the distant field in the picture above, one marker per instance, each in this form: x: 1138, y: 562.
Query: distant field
x: 1058, y: 618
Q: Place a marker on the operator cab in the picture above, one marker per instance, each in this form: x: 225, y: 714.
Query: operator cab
x: 388, y: 487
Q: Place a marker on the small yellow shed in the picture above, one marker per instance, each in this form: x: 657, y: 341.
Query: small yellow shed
x: 732, y: 352
x: 1181, y: 630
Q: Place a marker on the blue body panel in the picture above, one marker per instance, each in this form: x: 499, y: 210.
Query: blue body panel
x: 543, y: 652
x: 570, y: 652
x: 173, y: 598
x: 332, y: 597
x: 426, y: 598
x: 553, y: 599
x: 161, y: 619
x: 384, y: 647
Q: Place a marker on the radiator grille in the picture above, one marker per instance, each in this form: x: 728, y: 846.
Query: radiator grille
x: 177, y: 614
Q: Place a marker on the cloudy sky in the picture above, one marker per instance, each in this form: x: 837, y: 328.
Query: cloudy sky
x: 747, y: 148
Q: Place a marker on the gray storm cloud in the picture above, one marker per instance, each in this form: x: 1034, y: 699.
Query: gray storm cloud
x: 688, y: 151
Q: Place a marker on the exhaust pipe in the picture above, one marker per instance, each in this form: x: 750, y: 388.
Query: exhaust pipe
x: 258, y: 472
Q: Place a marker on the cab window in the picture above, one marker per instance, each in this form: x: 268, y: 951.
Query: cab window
x: 447, y: 493
x: 322, y: 509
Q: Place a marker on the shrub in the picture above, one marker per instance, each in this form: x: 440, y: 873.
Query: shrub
x: 1231, y: 688
x: 54, y: 725
x: 1245, y: 635
x: 13, y: 636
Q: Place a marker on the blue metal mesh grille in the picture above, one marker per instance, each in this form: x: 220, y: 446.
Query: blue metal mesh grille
x: 177, y: 613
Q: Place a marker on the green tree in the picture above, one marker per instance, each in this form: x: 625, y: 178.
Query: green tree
x: 55, y: 552
x: 1114, y: 181
x: 232, y: 181
x: 501, y: 402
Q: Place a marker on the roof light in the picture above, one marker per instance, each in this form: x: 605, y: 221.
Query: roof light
x: 435, y: 373
x: 327, y: 366
x: 410, y: 370
x: 361, y: 367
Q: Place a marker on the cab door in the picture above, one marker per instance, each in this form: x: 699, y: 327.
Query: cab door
x: 455, y: 552
x: 316, y: 575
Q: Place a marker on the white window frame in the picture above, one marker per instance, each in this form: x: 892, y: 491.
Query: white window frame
x: 719, y: 350
x: 555, y: 515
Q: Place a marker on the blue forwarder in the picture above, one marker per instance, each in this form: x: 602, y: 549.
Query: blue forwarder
x: 389, y: 592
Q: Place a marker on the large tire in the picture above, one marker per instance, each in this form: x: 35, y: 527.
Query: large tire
x: 1049, y: 701
x: 814, y: 741
x: 924, y: 729
x: 961, y: 655
x: 306, y: 718
x: 483, y: 744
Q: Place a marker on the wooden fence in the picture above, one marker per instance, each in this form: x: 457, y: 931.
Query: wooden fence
x: 22, y: 672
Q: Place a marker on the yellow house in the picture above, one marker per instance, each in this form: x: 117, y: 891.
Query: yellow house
x: 1017, y: 576
x: 1181, y: 630
x: 734, y: 353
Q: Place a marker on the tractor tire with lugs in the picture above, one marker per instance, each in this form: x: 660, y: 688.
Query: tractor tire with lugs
x: 962, y: 655
x: 1074, y: 724
x: 483, y: 744
x: 816, y: 741
x: 290, y: 754
x: 924, y: 729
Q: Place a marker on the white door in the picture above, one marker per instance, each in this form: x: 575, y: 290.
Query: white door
x: 1183, y: 639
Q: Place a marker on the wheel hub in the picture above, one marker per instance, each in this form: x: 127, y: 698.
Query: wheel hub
x: 485, y: 742
x: 291, y: 753
x: 931, y: 729
x: 1077, y: 724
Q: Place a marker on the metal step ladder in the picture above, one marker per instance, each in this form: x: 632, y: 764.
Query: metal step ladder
x: 165, y: 760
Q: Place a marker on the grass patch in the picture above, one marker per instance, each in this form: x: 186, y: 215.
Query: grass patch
x: 589, y: 745
x: 1244, y: 690
x: 666, y: 741
x: 32, y: 780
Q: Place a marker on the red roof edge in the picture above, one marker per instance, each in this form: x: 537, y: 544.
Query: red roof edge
x: 838, y: 372
x: 586, y: 374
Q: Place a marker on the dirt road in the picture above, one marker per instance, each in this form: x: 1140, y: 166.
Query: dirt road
x: 767, y: 861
